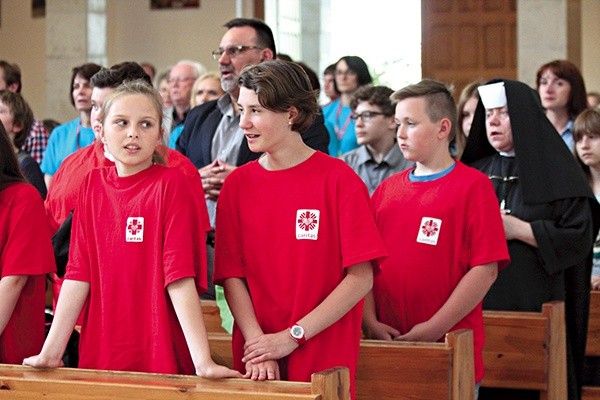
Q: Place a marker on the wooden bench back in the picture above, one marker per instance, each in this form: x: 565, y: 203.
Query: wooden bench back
x: 593, y: 337
x: 527, y: 350
x: 401, y: 370
x: 593, y: 342
x: 20, y: 382
x: 417, y: 371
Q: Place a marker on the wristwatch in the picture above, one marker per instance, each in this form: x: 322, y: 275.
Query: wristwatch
x: 297, y: 333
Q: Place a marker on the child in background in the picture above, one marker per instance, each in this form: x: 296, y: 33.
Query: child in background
x: 441, y: 224
x: 586, y: 133
x: 378, y: 156
x: 136, y: 255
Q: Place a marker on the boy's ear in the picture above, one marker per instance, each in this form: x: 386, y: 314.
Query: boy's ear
x: 445, y: 128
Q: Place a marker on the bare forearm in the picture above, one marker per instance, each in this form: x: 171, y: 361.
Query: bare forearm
x: 357, y: 283
x: 468, y: 293
x: 240, y: 304
x: 70, y: 302
x: 186, y: 303
x: 10, y: 291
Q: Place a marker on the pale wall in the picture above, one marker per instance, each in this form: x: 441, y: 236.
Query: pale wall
x: 22, y: 41
x: 163, y: 36
x: 590, y: 39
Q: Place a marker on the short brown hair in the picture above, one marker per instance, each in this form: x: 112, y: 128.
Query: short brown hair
x: 438, y: 100
x: 12, y: 74
x: 375, y: 95
x: 280, y: 85
x: 21, y: 112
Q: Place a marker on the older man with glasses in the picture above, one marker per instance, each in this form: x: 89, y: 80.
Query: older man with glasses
x: 181, y: 79
x: 211, y: 137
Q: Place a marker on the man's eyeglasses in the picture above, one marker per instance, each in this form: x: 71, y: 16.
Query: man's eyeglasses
x: 233, y: 51
x: 365, y: 116
x: 347, y: 72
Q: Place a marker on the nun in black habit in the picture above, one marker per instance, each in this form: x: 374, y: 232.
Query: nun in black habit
x: 549, y: 212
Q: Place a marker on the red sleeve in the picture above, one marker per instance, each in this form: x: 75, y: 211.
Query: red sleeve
x: 185, y: 227
x: 28, y: 246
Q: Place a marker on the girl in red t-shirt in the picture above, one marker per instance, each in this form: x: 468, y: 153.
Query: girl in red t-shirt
x: 25, y: 257
x: 142, y: 287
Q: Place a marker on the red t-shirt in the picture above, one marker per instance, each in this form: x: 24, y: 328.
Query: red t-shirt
x: 25, y: 249
x: 64, y: 188
x: 435, y: 232
x: 291, y: 234
x: 133, y: 236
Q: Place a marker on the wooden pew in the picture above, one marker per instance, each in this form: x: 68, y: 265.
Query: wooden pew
x: 20, y: 382
x: 401, y: 370
x: 527, y: 350
x: 593, y: 342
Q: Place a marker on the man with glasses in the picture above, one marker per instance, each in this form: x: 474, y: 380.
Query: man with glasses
x: 181, y: 79
x: 211, y: 136
x: 378, y: 155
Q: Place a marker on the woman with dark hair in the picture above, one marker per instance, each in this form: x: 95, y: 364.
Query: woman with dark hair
x: 562, y: 91
x: 75, y: 134
x: 351, y: 72
x: 25, y: 257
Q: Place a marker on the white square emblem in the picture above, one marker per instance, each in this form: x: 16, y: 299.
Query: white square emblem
x: 429, y: 231
x: 307, y: 224
x: 134, y: 230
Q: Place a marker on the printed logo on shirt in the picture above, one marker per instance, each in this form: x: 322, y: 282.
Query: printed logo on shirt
x: 134, y: 231
x: 307, y: 224
x: 429, y: 231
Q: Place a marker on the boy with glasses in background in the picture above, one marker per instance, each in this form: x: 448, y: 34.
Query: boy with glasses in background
x: 378, y: 155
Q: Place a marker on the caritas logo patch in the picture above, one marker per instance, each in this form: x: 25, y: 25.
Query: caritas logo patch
x: 429, y: 231
x: 134, y: 230
x: 307, y: 224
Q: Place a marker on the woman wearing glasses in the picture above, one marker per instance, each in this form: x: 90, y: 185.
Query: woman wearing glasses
x: 546, y: 208
x: 351, y: 72
x: 378, y: 155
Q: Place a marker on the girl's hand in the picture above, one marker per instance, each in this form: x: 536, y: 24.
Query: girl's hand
x: 40, y: 361
x: 266, y: 370
x: 380, y: 331
x: 211, y: 370
x: 269, y: 347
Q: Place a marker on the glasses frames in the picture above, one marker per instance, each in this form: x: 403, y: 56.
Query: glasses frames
x: 347, y: 72
x: 233, y: 51
x: 366, y: 116
x: 172, y: 81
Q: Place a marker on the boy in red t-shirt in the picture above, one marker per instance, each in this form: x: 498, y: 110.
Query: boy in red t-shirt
x: 441, y: 224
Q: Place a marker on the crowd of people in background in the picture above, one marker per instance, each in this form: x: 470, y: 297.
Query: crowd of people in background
x: 425, y: 209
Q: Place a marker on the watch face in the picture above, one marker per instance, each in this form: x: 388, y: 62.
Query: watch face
x: 297, y: 331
